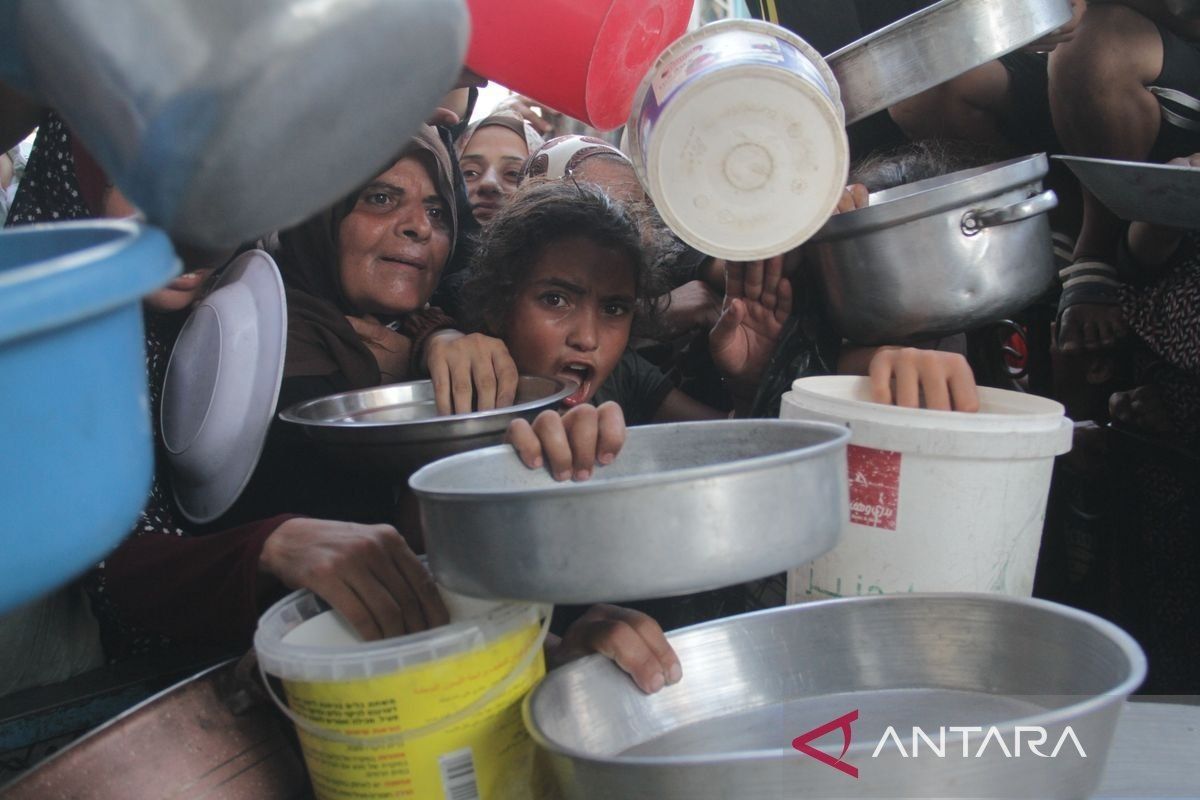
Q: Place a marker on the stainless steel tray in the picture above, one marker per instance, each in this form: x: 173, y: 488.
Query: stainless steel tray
x: 397, y: 427
x: 1162, y: 194
x: 934, y: 45
x: 685, y: 507
x: 754, y: 684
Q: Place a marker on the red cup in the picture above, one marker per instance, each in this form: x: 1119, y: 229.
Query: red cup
x: 584, y: 58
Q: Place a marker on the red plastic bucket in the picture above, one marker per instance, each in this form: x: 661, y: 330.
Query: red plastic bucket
x: 584, y: 58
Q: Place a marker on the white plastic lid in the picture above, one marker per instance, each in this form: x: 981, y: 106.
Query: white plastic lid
x: 748, y: 165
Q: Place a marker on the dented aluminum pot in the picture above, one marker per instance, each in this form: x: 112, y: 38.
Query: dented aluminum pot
x: 938, y: 256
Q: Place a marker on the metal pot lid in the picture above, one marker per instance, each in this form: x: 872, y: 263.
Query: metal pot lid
x: 934, y: 195
x: 1161, y: 194
x: 222, y: 384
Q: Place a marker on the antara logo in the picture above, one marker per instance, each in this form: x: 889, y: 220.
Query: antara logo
x: 939, y: 745
x: 801, y: 743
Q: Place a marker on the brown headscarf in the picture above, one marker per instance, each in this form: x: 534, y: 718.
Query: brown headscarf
x: 320, y: 339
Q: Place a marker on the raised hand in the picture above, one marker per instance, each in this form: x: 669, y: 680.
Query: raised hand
x: 758, y: 300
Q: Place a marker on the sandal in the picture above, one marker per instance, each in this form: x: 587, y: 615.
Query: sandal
x: 1087, y: 282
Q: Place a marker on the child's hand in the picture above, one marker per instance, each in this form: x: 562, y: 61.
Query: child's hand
x: 630, y: 638
x: 571, y: 444
x: 945, y: 379
x: 470, y: 372
x: 758, y: 300
x: 856, y: 196
x: 368, y: 573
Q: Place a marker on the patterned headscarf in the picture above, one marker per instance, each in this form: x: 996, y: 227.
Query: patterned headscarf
x: 563, y: 154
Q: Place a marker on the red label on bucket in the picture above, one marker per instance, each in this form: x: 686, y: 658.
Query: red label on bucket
x: 874, y: 486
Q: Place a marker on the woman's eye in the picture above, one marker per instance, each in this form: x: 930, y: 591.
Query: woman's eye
x: 554, y: 299
x: 617, y: 309
x: 378, y: 199
x: 439, y: 216
x: 512, y: 177
x: 470, y: 174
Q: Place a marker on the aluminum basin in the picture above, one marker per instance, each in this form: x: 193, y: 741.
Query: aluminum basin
x: 755, y: 683
x: 397, y: 427
x: 685, y: 507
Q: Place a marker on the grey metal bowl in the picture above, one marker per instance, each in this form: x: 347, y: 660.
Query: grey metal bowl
x: 685, y: 507
x: 754, y: 684
x: 935, y: 44
x: 397, y: 426
x: 938, y: 256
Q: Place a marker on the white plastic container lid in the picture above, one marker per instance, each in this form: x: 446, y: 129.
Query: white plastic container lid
x: 745, y: 162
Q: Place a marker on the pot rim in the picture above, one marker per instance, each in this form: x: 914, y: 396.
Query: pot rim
x: 926, y: 198
x: 1087, y: 705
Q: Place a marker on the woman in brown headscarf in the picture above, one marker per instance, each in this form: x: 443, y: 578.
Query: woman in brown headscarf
x: 359, y: 275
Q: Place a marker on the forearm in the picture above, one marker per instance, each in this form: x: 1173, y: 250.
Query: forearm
x: 205, y: 589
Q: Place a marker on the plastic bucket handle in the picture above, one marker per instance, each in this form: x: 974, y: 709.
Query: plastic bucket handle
x: 398, y: 738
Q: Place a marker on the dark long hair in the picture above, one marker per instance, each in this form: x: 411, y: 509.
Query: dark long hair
x: 539, y: 214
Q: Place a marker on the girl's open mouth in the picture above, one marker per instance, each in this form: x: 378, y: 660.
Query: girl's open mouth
x: 581, y: 374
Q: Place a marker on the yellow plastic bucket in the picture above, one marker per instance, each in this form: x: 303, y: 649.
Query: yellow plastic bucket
x: 433, y: 715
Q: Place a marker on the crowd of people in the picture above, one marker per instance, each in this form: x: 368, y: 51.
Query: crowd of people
x: 486, y: 251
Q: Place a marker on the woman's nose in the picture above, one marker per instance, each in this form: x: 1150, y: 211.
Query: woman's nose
x: 489, y: 182
x: 414, y: 222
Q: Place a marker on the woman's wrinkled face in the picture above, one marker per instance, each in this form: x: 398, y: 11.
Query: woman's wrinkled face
x: 573, y: 314
x: 394, y: 242
x: 491, y: 165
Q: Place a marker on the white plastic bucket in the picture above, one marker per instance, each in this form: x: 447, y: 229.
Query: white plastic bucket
x: 429, y: 716
x: 940, y: 501
x: 738, y: 136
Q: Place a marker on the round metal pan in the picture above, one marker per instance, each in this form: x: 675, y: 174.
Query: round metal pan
x: 934, y: 45
x: 834, y: 677
x: 398, y: 427
x: 685, y: 507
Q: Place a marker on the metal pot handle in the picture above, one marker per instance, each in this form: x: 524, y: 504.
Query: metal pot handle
x: 975, y: 221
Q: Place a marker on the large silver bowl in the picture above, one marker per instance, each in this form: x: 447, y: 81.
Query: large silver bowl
x: 754, y: 685
x: 935, y: 44
x: 939, y: 256
x: 397, y: 426
x: 684, y: 508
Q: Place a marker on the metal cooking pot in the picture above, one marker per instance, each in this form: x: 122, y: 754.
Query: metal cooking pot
x: 938, y: 256
x: 753, y: 684
x: 934, y: 45
x: 208, y: 736
x: 686, y: 507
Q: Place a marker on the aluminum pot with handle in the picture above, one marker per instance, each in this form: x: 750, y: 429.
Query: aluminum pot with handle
x: 938, y: 256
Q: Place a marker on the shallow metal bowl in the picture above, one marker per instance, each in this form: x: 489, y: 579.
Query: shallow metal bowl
x: 685, y: 507
x: 935, y: 44
x: 398, y: 427
x: 756, y: 686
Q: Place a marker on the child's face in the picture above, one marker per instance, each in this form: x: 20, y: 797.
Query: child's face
x: 573, y: 314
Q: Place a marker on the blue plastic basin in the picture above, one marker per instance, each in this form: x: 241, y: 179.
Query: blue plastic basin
x: 76, y: 452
